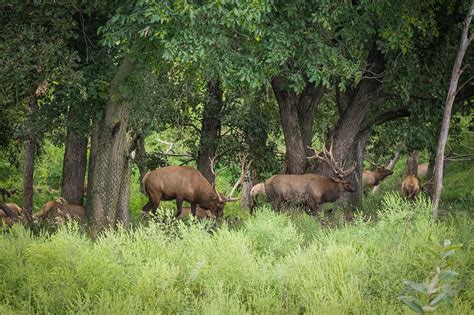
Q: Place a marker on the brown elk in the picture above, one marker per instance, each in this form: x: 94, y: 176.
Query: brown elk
x: 186, y: 183
x: 374, y: 177
x: 201, y: 213
x: 60, y: 210
x: 310, y: 189
x: 10, y: 213
x: 257, y: 190
x: 410, y: 186
x: 422, y: 169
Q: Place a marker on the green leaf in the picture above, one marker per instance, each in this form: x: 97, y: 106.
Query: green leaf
x: 429, y: 309
x: 412, y: 303
x: 420, y: 287
x: 447, y: 274
x: 438, y: 299
x: 445, y: 255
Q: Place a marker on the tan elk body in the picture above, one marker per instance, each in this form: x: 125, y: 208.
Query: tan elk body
x: 374, y: 177
x: 422, y: 169
x: 60, y: 210
x: 410, y: 186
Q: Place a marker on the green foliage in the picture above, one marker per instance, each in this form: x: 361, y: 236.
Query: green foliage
x: 264, y: 267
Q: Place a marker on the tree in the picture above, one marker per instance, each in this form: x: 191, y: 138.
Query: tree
x: 466, y: 39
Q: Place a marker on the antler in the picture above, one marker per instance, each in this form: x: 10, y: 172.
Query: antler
x: 375, y: 164
x: 212, y: 161
x: 244, y: 170
x: 327, y: 156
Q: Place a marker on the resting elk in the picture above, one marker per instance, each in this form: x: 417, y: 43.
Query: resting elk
x: 60, y: 210
x: 201, y: 213
x: 410, y: 186
x: 10, y: 213
x: 422, y: 169
x: 186, y: 183
x: 310, y: 189
x: 373, y: 178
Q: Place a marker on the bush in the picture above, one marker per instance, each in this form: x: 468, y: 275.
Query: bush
x: 274, y: 263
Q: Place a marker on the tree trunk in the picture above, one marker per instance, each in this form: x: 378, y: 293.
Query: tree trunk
x: 210, y: 130
x: 74, y: 164
x: 30, y: 150
x: 297, y: 119
x: 390, y: 166
x: 443, y: 135
x: 357, y: 103
x: 92, y: 160
x: 110, y: 183
x: 412, y: 163
x: 140, y: 156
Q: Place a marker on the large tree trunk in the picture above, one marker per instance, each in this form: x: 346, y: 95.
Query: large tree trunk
x: 412, y: 163
x: 356, y: 105
x: 30, y: 150
x: 210, y: 130
x: 443, y: 135
x: 297, y: 113
x: 75, y: 160
x: 110, y: 177
x: 91, y: 166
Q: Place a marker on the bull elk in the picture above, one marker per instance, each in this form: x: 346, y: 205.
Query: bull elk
x: 256, y: 191
x: 410, y: 186
x: 374, y: 177
x: 60, y: 210
x: 310, y: 189
x: 186, y: 183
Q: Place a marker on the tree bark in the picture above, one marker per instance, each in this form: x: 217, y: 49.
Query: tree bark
x: 30, y: 151
x: 412, y: 163
x: 110, y: 183
x: 210, y: 130
x: 357, y: 104
x: 297, y: 119
x: 140, y: 155
x: 443, y: 135
x: 91, y: 165
x: 74, y: 164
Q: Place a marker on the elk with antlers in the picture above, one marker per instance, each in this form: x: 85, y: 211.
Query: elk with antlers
x: 310, y: 189
x: 186, y: 183
x: 374, y: 177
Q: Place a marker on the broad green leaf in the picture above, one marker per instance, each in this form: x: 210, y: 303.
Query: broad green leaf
x: 447, y: 274
x: 412, y: 303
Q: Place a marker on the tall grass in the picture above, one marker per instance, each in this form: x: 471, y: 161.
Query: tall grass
x: 275, y: 263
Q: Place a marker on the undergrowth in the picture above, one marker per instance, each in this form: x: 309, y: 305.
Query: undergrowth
x: 274, y: 263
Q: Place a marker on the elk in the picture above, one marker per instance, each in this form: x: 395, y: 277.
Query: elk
x: 310, y: 189
x: 422, y: 169
x: 410, y: 186
x: 186, y: 183
x: 201, y: 213
x: 10, y: 213
x: 373, y: 178
x: 60, y: 210
x: 257, y: 190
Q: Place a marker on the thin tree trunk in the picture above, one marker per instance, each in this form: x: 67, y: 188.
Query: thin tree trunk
x: 92, y: 160
x: 412, y: 163
x: 30, y: 150
x: 140, y: 156
x: 112, y: 165
x: 210, y: 130
x: 390, y: 166
x: 443, y: 135
x: 74, y: 164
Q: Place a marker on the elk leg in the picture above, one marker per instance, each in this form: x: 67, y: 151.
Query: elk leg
x: 179, y: 206
x: 193, y: 208
x: 148, y: 206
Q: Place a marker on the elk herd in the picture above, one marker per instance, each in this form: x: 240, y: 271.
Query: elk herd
x: 185, y: 183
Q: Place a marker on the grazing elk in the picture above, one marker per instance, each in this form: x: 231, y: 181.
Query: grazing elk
x: 373, y: 178
x: 201, y: 213
x: 310, y: 189
x: 410, y: 186
x: 60, y: 210
x: 422, y: 169
x: 10, y: 213
x: 186, y: 183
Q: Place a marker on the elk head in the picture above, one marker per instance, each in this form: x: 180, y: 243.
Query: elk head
x: 340, y: 174
x: 244, y: 170
x: 380, y: 169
